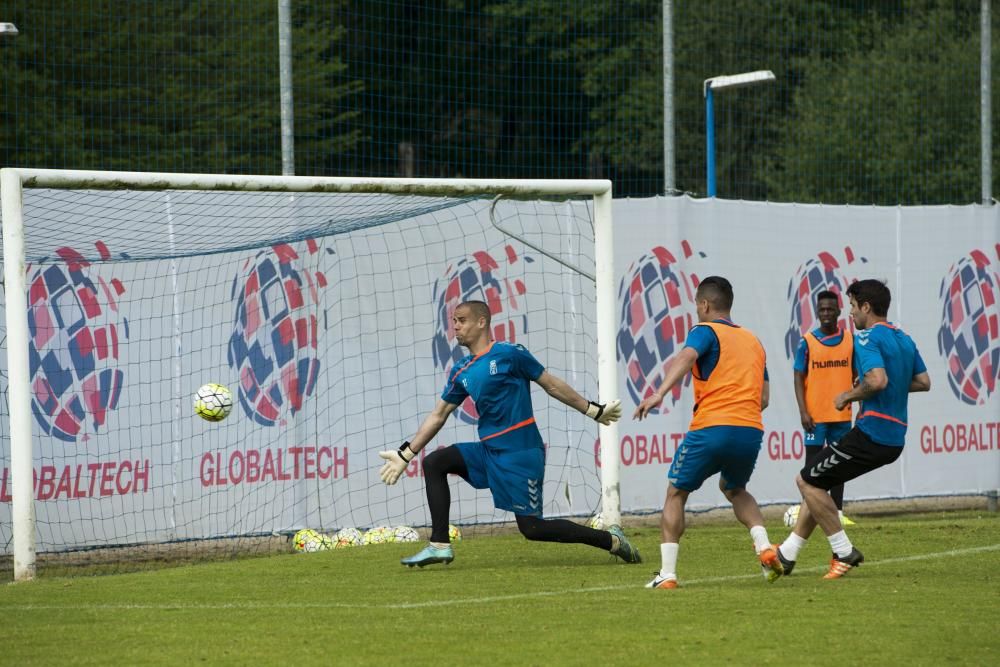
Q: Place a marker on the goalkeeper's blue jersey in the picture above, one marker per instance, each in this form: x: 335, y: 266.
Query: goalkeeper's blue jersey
x: 499, y: 382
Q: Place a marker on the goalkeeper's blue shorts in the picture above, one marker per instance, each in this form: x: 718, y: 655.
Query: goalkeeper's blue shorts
x: 514, y: 475
x: 730, y: 450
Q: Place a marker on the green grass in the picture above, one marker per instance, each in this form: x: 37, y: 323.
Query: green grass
x: 927, y: 595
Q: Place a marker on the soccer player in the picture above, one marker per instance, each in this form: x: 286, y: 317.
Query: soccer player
x: 509, y: 457
x: 730, y: 390
x: 824, y: 367
x: 889, y: 367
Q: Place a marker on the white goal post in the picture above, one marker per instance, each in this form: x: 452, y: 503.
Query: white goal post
x: 13, y: 182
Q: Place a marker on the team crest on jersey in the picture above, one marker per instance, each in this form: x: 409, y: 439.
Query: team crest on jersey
x: 493, y: 366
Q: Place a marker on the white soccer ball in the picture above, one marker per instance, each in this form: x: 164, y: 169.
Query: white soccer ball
x: 378, y: 535
x: 597, y: 522
x: 405, y: 534
x: 213, y: 402
x: 791, y: 515
x: 308, y: 540
x: 348, y: 537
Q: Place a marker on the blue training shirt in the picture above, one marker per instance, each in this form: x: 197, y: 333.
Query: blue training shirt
x: 883, y: 416
x: 704, y: 341
x: 498, y: 381
x: 801, y: 361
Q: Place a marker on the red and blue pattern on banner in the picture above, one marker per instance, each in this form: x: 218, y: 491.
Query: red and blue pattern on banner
x: 76, y: 332
x: 478, y: 278
x: 657, y: 306
x: 819, y: 273
x: 968, y: 337
x: 274, y: 341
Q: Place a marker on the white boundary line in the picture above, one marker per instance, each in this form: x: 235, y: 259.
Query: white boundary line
x: 460, y: 601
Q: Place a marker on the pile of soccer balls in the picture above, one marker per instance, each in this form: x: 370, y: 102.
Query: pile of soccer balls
x: 308, y: 540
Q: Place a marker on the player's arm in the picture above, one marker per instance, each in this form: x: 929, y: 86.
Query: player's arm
x: 873, y: 381
x: 808, y: 423
x: 800, y: 366
x: 562, y: 392
x: 679, y: 367
x: 397, y: 460
x: 765, y: 396
x: 431, y: 425
x: 920, y: 382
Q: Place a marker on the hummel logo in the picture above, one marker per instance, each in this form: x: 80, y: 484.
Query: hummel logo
x: 823, y: 466
x: 465, y: 382
x: 830, y: 363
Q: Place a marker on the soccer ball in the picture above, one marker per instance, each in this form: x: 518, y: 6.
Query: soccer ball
x: 347, y: 537
x: 404, y: 534
x: 596, y: 522
x: 378, y: 535
x: 791, y: 515
x: 213, y: 402
x: 308, y: 540
x: 454, y: 534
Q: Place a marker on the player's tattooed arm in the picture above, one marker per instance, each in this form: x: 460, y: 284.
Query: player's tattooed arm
x: 873, y: 382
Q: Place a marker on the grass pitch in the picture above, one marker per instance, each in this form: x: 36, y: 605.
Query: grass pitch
x: 927, y: 595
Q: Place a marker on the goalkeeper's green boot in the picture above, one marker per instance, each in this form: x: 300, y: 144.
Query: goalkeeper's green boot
x: 430, y: 555
x: 625, y: 550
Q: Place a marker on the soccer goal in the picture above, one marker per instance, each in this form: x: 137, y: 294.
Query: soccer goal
x: 324, y: 305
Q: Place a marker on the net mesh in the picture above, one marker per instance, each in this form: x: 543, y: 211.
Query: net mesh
x: 328, y: 318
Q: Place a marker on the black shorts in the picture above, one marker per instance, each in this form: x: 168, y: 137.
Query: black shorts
x: 855, y: 455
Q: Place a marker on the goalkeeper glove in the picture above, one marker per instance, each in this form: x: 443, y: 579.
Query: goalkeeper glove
x: 395, y: 463
x: 605, y: 413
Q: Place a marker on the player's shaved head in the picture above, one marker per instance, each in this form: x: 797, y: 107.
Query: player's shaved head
x: 477, y: 309
x: 717, y: 291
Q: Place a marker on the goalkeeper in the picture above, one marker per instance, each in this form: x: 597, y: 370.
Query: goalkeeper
x: 509, y: 457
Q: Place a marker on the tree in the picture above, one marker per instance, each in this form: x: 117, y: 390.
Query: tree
x: 172, y: 87
x: 895, y: 123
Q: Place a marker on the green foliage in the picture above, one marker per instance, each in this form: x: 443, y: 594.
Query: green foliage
x: 169, y: 86
x: 922, y: 597
x: 873, y: 103
x: 896, y: 122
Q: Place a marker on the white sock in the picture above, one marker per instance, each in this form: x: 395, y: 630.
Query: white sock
x: 440, y: 545
x: 840, y: 544
x: 759, y: 536
x: 668, y: 560
x: 792, y: 545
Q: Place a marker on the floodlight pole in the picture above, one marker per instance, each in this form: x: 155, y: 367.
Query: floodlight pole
x: 723, y: 83
x: 285, y: 87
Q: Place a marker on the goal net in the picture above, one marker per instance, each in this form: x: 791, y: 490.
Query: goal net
x: 324, y: 305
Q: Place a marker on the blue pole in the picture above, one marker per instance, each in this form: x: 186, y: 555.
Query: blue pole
x: 710, y: 140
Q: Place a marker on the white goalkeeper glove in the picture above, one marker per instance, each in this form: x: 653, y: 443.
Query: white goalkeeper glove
x: 395, y: 463
x: 605, y: 413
